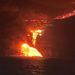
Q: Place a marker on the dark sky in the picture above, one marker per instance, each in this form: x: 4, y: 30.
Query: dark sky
x: 52, y: 7
x: 56, y: 7
x: 61, y: 34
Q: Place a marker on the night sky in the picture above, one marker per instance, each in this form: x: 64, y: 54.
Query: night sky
x: 57, y: 41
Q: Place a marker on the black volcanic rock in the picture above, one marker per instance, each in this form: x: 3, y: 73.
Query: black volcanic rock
x: 64, y: 37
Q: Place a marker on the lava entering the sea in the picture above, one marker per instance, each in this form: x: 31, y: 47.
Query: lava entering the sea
x: 29, y: 51
x: 36, y: 25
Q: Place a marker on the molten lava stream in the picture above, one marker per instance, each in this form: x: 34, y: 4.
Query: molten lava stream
x: 35, y: 33
x: 29, y: 51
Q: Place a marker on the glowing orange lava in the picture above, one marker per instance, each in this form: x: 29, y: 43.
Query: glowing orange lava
x: 35, y: 33
x: 67, y: 15
x: 30, y: 51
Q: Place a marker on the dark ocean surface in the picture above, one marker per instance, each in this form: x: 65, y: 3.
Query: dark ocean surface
x: 24, y: 66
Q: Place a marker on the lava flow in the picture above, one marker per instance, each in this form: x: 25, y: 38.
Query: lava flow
x: 35, y: 33
x: 29, y: 51
x: 34, y: 30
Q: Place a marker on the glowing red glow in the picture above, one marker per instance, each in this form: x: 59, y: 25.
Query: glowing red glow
x: 35, y: 33
x: 36, y: 24
x: 66, y: 15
